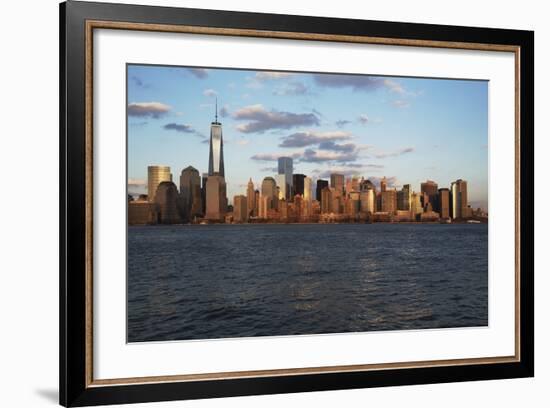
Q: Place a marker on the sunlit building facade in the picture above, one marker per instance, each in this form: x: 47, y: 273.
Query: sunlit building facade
x: 155, y: 176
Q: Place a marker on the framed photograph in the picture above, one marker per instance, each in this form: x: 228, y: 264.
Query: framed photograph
x: 256, y: 204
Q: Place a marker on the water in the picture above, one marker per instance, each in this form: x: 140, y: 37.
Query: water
x: 218, y: 281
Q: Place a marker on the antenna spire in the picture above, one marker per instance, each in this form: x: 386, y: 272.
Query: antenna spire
x: 216, y: 109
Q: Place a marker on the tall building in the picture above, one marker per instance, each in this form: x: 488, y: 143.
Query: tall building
x: 320, y: 185
x: 383, y: 184
x: 459, y: 198
x: 203, y: 191
x: 326, y: 200
x: 216, y: 198
x: 298, y: 184
x: 166, y: 198
x: 367, y: 201
x: 190, y: 193
x: 269, y: 189
x: 429, y: 188
x: 337, y: 183
x: 250, y: 198
x: 155, y: 176
x: 404, y: 198
x: 444, y: 203
x: 388, y: 201
x: 215, y: 161
x: 240, y: 208
x: 280, y: 179
x: 307, y: 209
x: 416, y: 204
x: 285, y: 167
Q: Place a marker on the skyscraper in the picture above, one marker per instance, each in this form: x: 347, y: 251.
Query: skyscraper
x: 320, y: 185
x: 215, y: 161
x: 269, y: 189
x: 155, y: 176
x: 240, y: 210
x: 444, y: 202
x: 285, y: 167
x: 166, y: 198
x: 429, y: 187
x: 337, y: 183
x: 298, y: 184
x: 250, y: 198
x: 459, y: 198
x: 216, y: 198
x: 404, y: 198
x: 280, y: 179
x: 190, y: 183
x: 383, y: 184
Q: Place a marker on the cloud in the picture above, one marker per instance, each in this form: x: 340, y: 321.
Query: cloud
x: 148, y: 109
x: 314, y: 156
x: 400, y: 103
x: 262, y: 119
x: 269, y: 169
x: 303, y: 139
x: 395, y: 153
x: 210, y: 93
x: 224, y: 111
x: 394, y: 86
x: 293, y: 88
x: 364, y: 119
x: 183, y: 128
x: 274, y: 156
x: 200, y: 73
x: 347, y: 147
x: 363, y: 83
x: 342, y: 122
x: 269, y: 75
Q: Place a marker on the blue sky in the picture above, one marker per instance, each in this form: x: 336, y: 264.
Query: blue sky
x: 407, y: 129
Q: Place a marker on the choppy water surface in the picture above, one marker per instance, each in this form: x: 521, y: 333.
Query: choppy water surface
x: 216, y: 281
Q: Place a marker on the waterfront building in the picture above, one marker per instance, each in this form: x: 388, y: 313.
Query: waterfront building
x: 256, y: 203
x: 383, y: 184
x: 285, y: 168
x: 265, y: 206
x: 240, y: 208
x: 320, y: 185
x: 429, y: 216
x: 283, y: 192
x: 166, y: 198
x: 459, y: 199
x: 203, y: 191
x: 215, y: 159
x: 155, y: 176
x: 269, y: 189
x: 307, y: 197
x: 416, y: 204
x: 142, y: 212
x: 353, y: 203
x: 250, y: 198
x: 216, y: 198
x: 367, y: 201
x: 404, y: 198
x: 190, y: 193
x: 283, y: 209
x: 444, y: 203
x: 403, y: 216
x: 337, y: 183
x: 326, y: 200
x: 365, y: 185
x: 298, y: 184
x: 388, y: 201
x: 429, y: 188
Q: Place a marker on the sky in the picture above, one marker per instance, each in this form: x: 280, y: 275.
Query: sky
x: 406, y: 129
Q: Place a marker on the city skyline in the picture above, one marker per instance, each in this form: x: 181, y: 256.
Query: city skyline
x: 279, y: 116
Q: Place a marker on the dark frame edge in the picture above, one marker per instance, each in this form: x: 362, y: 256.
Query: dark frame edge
x: 62, y: 208
x: 72, y: 388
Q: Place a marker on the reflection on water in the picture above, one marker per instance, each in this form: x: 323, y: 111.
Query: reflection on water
x: 208, y: 281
